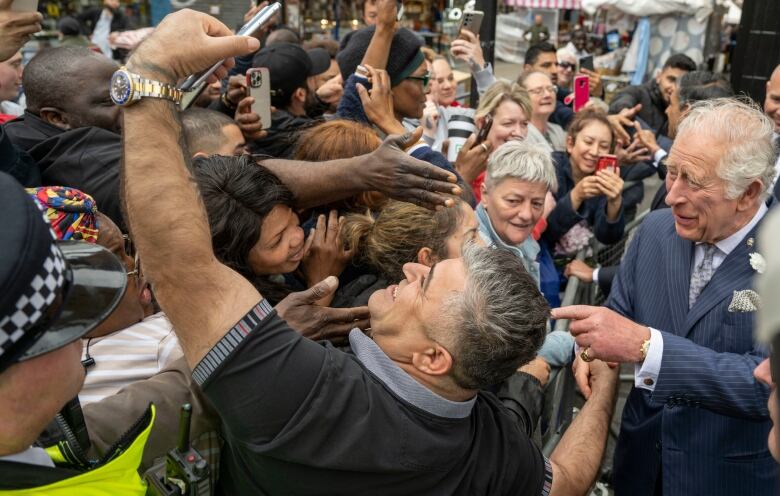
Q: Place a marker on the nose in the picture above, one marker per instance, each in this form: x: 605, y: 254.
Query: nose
x: 673, y: 194
x: 524, y: 213
x: 763, y: 372
x: 415, y: 272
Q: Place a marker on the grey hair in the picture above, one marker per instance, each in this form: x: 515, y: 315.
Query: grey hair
x: 521, y: 160
x: 747, y: 135
x: 498, y: 322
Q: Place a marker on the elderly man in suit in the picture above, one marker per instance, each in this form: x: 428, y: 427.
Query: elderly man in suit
x: 682, y: 310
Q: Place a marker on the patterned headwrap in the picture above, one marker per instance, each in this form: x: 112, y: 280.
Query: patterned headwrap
x: 71, y: 212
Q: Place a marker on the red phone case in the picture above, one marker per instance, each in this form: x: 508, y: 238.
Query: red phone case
x: 581, y: 92
x: 607, y: 162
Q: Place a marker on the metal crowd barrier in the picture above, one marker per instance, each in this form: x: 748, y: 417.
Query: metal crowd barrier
x: 560, y: 393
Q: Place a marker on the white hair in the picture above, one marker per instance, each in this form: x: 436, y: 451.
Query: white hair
x: 747, y: 136
x: 521, y: 160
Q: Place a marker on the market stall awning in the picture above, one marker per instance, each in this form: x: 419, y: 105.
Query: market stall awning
x: 545, y: 4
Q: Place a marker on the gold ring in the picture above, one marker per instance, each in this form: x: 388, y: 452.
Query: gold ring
x: 584, y: 355
x: 484, y: 147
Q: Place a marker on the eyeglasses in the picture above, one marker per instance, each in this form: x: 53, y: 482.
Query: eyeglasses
x: 129, y: 249
x: 567, y: 65
x: 425, y: 78
x: 540, y: 90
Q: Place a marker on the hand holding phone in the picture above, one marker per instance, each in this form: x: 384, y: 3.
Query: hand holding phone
x: 258, y: 21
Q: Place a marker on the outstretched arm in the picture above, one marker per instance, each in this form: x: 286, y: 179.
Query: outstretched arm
x: 388, y: 169
x: 202, y: 297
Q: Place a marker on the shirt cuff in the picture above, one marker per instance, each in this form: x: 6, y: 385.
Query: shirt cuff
x: 418, y: 146
x: 595, y: 277
x: 646, y: 373
x: 658, y: 156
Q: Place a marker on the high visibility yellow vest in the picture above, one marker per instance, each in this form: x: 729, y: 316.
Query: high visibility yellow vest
x: 117, y: 477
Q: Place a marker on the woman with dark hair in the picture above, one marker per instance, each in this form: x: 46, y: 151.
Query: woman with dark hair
x: 587, y: 196
x: 254, y: 229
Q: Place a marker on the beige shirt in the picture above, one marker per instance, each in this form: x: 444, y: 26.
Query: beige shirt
x: 126, y: 356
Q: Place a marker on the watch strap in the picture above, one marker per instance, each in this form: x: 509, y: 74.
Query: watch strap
x: 155, y: 89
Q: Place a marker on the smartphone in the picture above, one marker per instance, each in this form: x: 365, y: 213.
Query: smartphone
x: 24, y: 6
x: 609, y: 162
x: 483, y: 133
x: 472, y: 20
x: 258, y: 85
x: 257, y: 22
x: 581, y: 92
x: 586, y: 62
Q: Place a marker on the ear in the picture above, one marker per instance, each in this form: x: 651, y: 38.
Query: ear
x: 199, y: 154
x: 55, y: 117
x: 434, y: 360
x: 425, y: 256
x: 484, y: 194
x: 569, y: 144
x: 749, y: 197
x: 300, y: 95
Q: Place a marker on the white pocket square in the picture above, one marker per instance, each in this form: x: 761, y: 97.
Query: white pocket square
x: 746, y: 300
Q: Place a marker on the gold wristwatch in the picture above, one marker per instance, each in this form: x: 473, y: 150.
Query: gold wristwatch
x: 127, y: 88
x: 645, y: 348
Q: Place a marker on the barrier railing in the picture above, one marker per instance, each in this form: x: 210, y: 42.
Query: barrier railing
x: 560, y: 393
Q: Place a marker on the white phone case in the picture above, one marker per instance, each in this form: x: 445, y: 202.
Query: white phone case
x: 259, y: 87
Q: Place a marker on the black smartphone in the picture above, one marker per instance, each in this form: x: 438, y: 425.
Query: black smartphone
x: 483, y: 133
x: 586, y: 62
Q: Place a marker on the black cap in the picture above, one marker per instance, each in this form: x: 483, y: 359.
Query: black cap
x: 288, y: 66
x: 51, y: 292
x: 320, y: 60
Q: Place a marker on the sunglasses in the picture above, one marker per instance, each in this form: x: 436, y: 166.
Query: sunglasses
x: 425, y: 78
x: 130, y: 252
x: 567, y: 65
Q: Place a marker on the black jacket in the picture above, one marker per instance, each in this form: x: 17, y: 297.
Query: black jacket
x: 17, y: 162
x: 85, y: 158
x: 653, y: 105
x: 282, y: 135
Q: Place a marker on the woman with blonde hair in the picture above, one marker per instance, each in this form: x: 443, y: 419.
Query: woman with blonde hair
x: 400, y: 233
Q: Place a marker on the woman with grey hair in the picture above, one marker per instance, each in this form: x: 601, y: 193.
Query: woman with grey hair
x: 519, y: 177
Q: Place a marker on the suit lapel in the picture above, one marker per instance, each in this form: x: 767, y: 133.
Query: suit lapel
x: 679, y: 253
x: 734, y: 273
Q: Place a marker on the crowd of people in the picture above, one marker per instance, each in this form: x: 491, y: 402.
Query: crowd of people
x: 358, y: 297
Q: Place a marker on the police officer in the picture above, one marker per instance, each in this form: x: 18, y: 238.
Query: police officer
x: 51, y: 294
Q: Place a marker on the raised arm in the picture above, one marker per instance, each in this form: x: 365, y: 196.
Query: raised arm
x: 388, y: 170
x: 167, y: 219
x: 378, y: 50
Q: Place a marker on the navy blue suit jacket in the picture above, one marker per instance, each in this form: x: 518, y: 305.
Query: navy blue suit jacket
x: 706, y: 424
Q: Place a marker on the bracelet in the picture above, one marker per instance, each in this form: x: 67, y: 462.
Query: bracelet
x: 227, y: 103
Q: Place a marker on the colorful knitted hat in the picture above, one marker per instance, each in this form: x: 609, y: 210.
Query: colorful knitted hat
x: 71, y: 212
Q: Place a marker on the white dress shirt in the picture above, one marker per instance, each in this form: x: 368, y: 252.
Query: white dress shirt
x: 646, y: 373
x: 777, y: 163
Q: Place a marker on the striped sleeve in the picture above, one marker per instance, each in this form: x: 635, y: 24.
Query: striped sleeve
x: 230, y: 341
x: 548, y: 477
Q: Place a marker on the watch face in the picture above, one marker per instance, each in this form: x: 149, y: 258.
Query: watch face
x: 121, y: 88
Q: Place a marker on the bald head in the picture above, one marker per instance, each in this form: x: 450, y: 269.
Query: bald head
x: 772, y: 100
x: 68, y: 87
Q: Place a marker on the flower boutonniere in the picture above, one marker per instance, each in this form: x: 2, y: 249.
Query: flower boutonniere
x: 758, y: 262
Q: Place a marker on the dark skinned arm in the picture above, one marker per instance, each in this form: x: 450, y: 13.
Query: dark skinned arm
x: 388, y: 170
